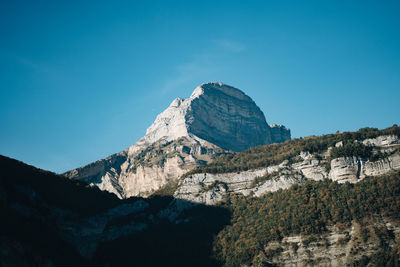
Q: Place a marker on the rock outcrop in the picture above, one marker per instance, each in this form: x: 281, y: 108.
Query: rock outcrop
x: 279, y: 133
x: 335, y: 247
x: 216, y: 119
x: 210, y: 188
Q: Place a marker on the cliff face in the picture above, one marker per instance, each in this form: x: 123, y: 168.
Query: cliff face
x: 227, y: 118
x: 217, y: 113
x: 216, y: 119
x: 347, y: 246
x: 140, y: 171
x: 279, y: 133
x: 210, y: 188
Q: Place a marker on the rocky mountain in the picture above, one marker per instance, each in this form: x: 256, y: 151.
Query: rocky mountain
x: 329, y: 200
x: 269, y: 177
x: 216, y: 119
x: 383, y: 157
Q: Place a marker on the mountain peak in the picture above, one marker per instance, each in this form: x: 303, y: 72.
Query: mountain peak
x: 219, y: 87
x: 216, y: 118
x: 215, y: 112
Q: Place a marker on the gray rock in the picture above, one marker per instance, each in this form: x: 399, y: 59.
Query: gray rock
x: 219, y: 114
x: 353, y: 169
x: 279, y: 133
x: 383, y: 141
x: 334, y: 247
x: 210, y: 188
x: 216, y: 118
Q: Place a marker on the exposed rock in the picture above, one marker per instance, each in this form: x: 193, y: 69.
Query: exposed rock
x: 344, y: 247
x: 383, y: 166
x: 352, y: 169
x: 279, y: 133
x: 312, y: 169
x: 383, y: 141
x: 346, y: 169
x: 210, y: 188
x: 148, y: 169
x: 217, y: 118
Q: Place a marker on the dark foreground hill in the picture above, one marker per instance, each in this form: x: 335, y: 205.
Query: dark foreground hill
x: 49, y: 220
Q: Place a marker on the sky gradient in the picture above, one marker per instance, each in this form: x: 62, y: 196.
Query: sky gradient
x: 81, y: 81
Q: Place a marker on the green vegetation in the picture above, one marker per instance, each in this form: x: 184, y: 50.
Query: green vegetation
x: 236, y: 230
x: 307, y: 210
x: 167, y: 190
x: 350, y: 149
x: 273, y: 154
x: 154, y: 154
x: 260, y: 179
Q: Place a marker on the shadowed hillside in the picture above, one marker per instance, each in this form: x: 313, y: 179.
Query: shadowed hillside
x: 38, y: 205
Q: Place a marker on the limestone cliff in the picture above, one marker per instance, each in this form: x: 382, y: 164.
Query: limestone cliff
x: 336, y: 247
x: 210, y: 188
x: 215, y: 119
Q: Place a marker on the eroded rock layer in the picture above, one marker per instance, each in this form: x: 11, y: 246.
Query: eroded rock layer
x: 209, y: 188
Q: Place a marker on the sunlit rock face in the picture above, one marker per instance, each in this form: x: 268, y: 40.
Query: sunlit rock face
x: 209, y: 188
x: 226, y: 117
x: 219, y: 114
x: 215, y: 119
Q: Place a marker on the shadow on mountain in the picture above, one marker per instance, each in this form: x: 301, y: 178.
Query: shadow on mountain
x: 168, y: 244
x: 34, y: 203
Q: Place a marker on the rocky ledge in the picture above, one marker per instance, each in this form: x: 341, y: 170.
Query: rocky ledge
x: 210, y: 188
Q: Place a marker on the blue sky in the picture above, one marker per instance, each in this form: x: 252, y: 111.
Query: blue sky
x: 81, y: 81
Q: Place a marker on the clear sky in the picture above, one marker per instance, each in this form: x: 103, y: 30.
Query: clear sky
x: 81, y: 80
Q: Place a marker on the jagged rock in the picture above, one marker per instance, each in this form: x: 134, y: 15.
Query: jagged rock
x: 217, y: 118
x: 129, y: 174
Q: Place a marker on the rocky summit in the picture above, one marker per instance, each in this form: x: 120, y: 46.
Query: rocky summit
x: 219, y: 114
x: 215, y: 119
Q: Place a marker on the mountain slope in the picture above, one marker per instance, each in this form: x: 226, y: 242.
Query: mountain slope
x: 321, y: 223
x: 346, y: 157
x: 49, y: 220
x: 294, y: 212
x: 216, y: 119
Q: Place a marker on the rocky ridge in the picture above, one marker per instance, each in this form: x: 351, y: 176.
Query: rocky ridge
x: 215, y: 119
x: 210, y: 188
x: 99, y: 232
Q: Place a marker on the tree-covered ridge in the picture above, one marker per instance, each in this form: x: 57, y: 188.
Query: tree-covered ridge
x: 263, y: 156
x: 42, y: 214
x: 307, y: 209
